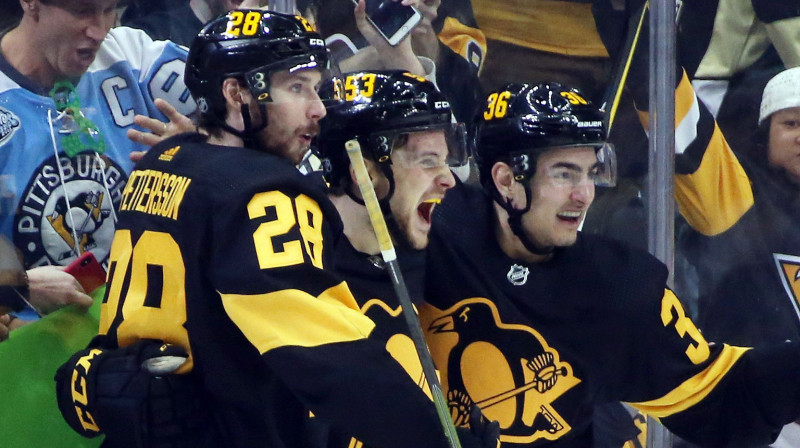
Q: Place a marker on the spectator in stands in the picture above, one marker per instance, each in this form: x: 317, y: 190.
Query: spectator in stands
x: 69, y: 90
x: 444, y: 62
x: 730, y: 49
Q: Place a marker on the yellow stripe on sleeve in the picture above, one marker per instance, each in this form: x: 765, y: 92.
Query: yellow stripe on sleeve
x: 718, y: 194
x: 458, y: 36
x: 294, y: 317
x: 695, y: 389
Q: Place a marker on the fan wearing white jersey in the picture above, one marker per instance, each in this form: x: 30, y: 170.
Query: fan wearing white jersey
x: 69, y: 89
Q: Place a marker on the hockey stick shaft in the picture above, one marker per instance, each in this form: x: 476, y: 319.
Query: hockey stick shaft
x: 390, y: 258
x: 614, y: 93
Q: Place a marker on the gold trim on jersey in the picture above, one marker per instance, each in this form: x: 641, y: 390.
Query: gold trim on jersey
x: 464, y: 40
x: 294, y: 317
x: 553, y: 26
x: 718, y: 193
x: 696, y: 388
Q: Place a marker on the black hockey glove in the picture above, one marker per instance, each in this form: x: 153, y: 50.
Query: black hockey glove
x: 119, y: 393
x: 481, y: 433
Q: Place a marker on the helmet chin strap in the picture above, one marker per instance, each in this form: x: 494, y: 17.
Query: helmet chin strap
x: 386, y: 209
x: 515, y: 220
x: 248, y: 133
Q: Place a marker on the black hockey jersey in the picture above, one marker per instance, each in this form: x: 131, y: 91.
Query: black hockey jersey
x: 372, y: 288
x: 224, y: 251
x: 536, y: 346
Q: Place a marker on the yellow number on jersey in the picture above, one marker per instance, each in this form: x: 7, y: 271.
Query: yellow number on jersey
x: 672, y: 313
x: 163, y: 320
x: 290, y: 252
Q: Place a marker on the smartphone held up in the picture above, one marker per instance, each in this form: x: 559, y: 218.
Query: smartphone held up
x: 392, y: 19
x: 88, y: 271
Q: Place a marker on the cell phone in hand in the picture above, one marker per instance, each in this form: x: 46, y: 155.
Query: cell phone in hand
x: 393, y: 20
x: 88, y: 271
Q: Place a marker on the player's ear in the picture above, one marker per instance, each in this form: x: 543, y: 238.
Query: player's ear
x: 379, y: 181
x: 233, y: 92
x: 503, y: 178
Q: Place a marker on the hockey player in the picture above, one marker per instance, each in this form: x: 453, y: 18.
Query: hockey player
x: 224, y: 250
x: 536, y: 322
x: 69, y: 90
x: 403, y: 124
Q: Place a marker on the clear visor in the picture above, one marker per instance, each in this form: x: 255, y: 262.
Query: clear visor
x: 299, y: 82
x: 601, y: 174
x: 436, y: 145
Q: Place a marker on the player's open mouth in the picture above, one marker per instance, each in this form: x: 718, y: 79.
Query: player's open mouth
x: 425, y: 210
x: 571, y: 217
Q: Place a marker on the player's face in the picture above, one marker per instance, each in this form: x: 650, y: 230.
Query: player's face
x: 70, y: 33
x: 294, y: 113
x: 422, y: 177
x: 784, y: 141
x: 561, y: 191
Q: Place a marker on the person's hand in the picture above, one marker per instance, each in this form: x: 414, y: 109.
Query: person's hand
x: 159, y: 130
x: 482, y: 433
x: 399, y: 57
x: 5, y: 321
x: 129, y: 395
x: 51, y: 288
x: 423, y: 38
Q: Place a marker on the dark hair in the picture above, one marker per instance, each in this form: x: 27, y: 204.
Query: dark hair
x: 12, y: 13
x: 758, y: 146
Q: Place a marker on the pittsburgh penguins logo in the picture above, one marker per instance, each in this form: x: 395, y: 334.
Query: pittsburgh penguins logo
x: 507, y: 370
x: 68, y: 211
x: 391, y: 327
x: 789, y: 271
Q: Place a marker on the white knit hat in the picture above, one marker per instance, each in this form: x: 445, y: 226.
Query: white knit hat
x: 781, y: 92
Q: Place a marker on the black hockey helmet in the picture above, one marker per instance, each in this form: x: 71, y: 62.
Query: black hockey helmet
x: 522, y: 121
x: 248, y: 44
x: 380, y: 108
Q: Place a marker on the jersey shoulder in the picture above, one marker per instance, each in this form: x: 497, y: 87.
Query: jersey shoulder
x: 463, y: 217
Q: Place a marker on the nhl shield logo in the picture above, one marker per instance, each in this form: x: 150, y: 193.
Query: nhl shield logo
x: 518, y: 275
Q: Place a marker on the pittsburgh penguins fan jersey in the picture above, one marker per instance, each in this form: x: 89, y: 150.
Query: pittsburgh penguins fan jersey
x: 742, y: 240
x: 223, y: 251
x: 53, y: 206
x: 536, y: 345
